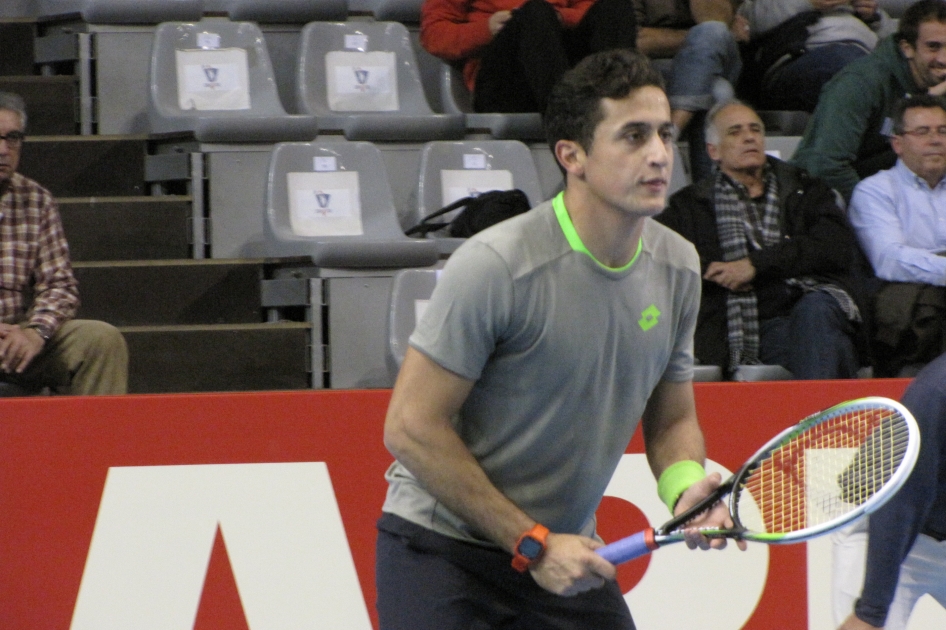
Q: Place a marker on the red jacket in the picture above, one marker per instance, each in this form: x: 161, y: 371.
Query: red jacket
x: 456, y: 30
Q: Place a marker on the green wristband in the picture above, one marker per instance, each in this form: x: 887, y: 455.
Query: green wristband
x: 676, y: 478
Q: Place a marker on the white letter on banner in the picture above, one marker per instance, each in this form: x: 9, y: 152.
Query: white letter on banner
x: 284, y: 537
x: 677, y: 574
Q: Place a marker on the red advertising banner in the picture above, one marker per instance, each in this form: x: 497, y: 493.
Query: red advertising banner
x: 257, y: 510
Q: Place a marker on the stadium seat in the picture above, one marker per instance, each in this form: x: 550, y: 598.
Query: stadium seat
x: 784, y: 122
x: 456, y: 98
x: 214, y: 79
x: 753, y: 373
x: 452, y: 170
x: 782, y: 147
x: 125, y: 11
x: 410, y: 291
x: 362, y: 79
x: 331, y: 201
x: 679, y: 175
x: 404, y: 11
x: 281, y: 11
x: 707, y: 373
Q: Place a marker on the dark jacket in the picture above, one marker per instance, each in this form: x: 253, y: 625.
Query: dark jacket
x: 817, y: 241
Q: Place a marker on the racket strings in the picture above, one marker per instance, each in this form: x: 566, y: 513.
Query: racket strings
x: 824, y: 470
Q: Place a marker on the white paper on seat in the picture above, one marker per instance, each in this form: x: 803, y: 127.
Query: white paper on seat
x: 361, y: 81
x: 209, y: 80
x: 325, y: 204
x: 457, y: 184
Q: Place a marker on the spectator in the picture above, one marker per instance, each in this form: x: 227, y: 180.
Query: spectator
x: 513, y: 52
x: 776, y: 254
x: 846, y: 139
x: 796, y: 46
x: 904, y: 548
x: 898, y: 217
x: 700, y: 36
x: 40, y: 344
x: 507, y: 418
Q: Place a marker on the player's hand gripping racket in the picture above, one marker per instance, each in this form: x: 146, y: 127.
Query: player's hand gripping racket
x: 828, y: 470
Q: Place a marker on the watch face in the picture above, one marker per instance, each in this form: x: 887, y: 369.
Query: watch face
x: 530, y: 548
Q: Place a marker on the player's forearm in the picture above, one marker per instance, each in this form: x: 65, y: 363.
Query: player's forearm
x: 671, y: 430
x: 449, y: 472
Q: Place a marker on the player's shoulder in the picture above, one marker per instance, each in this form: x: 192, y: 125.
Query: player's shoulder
x: 667, y: 247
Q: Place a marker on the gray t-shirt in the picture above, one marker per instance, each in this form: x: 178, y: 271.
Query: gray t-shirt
x: 564, y: 354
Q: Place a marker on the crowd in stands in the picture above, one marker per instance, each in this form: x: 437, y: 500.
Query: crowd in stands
x: 840, y: 247
x: 788, y: 280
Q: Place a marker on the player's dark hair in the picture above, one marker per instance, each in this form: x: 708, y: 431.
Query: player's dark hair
x: 917, y: 13
x: 924, y: 101
x: 574, y: 107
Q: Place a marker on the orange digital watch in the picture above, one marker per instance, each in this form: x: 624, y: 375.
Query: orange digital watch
x: 529, y: 548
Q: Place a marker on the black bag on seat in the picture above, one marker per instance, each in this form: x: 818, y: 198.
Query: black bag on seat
x: 479, y: 212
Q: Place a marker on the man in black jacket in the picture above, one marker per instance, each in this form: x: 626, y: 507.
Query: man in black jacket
x: 777, y: 255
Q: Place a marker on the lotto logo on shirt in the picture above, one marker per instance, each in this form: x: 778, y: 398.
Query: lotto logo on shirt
x: 649, y: 317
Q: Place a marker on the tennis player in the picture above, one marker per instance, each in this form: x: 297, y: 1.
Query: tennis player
x: 548, y: 337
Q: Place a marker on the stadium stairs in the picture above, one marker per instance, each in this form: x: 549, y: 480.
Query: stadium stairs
x: 192, y: 324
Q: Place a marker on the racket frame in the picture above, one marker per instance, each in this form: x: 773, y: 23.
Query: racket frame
x: 650, y: 539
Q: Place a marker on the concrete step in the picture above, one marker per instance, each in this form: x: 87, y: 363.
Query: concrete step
x: 127, y: 228
x: 86, y: 166
x: 50, y: 103
x: 171, y: 292
x: 16, y: 45
x: 249, y: 357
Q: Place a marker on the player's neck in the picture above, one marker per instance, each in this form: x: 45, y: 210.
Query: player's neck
x: 610, y: 234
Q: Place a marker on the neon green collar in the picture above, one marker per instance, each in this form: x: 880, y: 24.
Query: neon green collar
x: 571, y: 235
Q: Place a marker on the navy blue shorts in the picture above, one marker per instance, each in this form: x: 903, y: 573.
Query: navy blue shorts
x: 427, y: 581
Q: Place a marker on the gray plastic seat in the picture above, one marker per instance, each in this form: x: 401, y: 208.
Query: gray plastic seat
x: 404, y: 11
x: 707, y: 373
x: 453, y: 170
x: 253, y: 115
x: 753, y: 373
x: 679, y: 177
x: 374, y: 90
x: 331, y: 201
x: 457, y: 99
x: 280, y: 11
x: 410, y: 290
x: 785, y: 146
x: 125, y: 11
x: 784, y: 122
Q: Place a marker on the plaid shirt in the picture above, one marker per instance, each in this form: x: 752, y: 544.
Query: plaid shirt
x: 36, y: 282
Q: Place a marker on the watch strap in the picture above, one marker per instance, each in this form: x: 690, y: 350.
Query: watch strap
x: 536, y: 536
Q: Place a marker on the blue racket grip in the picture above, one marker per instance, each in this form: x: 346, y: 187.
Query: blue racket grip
x: 625, y: 549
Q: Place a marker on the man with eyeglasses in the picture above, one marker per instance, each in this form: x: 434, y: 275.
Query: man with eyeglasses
x: 900, y: 219
x: 41, y: 345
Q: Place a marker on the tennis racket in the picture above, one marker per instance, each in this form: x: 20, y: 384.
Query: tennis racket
x: 813, y: 478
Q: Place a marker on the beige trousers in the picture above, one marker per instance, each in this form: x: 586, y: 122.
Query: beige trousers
x: 84, y: 357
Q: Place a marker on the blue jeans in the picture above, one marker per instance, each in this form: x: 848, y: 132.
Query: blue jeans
x: 701, y: 74
x: 709, y: 53
x: 815, y: 341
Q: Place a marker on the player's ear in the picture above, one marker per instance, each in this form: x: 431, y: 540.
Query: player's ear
x: 571, y: 157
